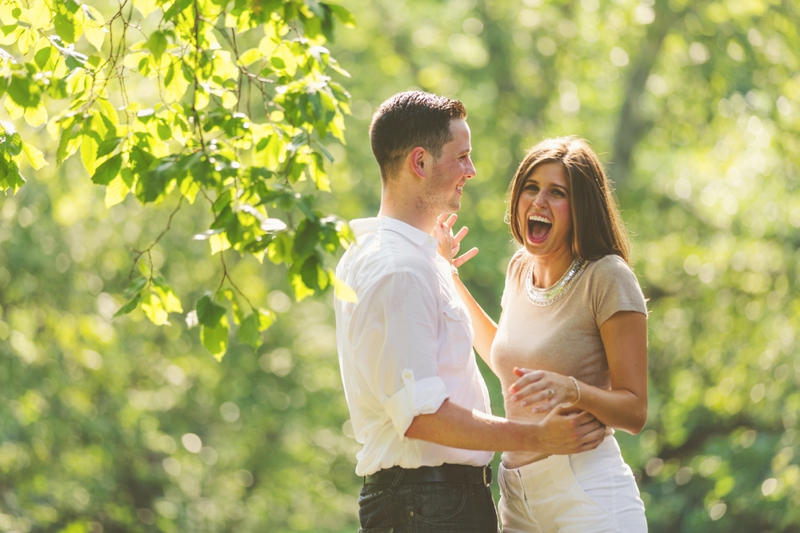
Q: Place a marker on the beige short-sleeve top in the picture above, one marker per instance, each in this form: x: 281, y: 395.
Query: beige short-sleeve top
x: 562, y: 337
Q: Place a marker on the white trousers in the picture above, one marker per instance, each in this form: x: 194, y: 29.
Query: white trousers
x: 589, y: 492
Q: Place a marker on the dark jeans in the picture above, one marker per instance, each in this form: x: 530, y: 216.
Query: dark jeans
x: 427, y: 508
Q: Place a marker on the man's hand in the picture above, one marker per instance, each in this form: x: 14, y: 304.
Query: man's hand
x: 563, y: 434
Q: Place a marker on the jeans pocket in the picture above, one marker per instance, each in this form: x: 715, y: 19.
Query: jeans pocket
x: 439, y: 502
x: 375, y: 508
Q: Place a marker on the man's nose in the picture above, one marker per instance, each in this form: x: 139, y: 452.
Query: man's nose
x: 471, y: 171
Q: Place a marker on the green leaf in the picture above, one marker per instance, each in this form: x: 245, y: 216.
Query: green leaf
x: 65, y: 145
x: 43, y: 56
x: 314, y: 274
x: 35, y: 157
x: 301, y: 290
x: 134, y: 287
x: 219, y: 243
x: 249, y: 57
x: 154, y: 309
x: 24, y: 92
x: 108, y: 170
x: 265, y: 319
x: 157, y: 44
x: 343, y: 15
x: 10, y: 178
x: 170, y: 300
x: 306, y: 239
x: 116, y: 191
x: 280, y: 249
x: 215, y: 338
x: 208, y: 312
x: 156, y: 183
x: 65, y: 23
x: 177, y: 7
x: 93, y: 26
x: 36, y: 116
x: 145, y: 7
x: 129, y: 306
x: 89, y: 146
x: 108, y: 146
x: 14, y: 144
x: 249, y: 332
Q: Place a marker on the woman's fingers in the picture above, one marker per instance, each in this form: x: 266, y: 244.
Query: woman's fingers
x: 526, y: 394
x: 542, y: 399
x: 544, y: 390
x: 458, y: 261
x: 461, y: 234
x: 526, y: 377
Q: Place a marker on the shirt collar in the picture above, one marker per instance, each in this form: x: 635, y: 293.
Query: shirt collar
x: 363, y: 226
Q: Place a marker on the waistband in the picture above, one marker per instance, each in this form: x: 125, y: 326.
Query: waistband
x: 446, y: 473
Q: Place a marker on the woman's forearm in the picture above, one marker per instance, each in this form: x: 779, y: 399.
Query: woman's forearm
x: 619, y: 409
x: 624, y: 406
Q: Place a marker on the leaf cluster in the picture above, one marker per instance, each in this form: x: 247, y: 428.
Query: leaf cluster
x: 242, y: 102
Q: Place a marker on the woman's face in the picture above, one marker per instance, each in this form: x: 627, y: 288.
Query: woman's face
x: 543, y: 210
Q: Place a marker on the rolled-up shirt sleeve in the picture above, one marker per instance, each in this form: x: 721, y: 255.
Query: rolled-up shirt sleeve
x: 396, y: 347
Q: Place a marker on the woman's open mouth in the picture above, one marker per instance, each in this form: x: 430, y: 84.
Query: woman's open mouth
x: 538, y: 228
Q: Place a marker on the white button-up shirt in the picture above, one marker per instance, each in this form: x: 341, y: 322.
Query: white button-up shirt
x: 404, y: 347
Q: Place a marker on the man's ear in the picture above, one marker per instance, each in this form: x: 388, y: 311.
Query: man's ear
x: 420, y: 161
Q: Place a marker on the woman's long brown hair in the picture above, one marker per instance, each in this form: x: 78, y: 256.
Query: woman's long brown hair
x: 597, y: 228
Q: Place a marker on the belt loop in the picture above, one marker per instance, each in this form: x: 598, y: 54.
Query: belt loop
x: 397, y: 480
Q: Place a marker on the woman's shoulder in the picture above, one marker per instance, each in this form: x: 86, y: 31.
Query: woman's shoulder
x: 610, y: 270
x: 609, y: 265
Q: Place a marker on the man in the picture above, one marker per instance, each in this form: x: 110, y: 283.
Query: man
x: 418, y: 403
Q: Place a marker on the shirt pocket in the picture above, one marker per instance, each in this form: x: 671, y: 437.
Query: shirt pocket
x: 457, y: 336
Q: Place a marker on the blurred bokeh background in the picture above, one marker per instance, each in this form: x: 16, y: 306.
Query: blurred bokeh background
x: 695, y: 109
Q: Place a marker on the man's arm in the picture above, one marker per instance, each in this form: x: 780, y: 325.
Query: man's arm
x: 458, y: 427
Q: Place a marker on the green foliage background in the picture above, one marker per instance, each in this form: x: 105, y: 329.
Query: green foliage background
x: 125, y: 426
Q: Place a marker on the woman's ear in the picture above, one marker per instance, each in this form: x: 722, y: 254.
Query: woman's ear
x: 419, y: 159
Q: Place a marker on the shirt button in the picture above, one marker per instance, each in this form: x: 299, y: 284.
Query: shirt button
x: 407, y: 374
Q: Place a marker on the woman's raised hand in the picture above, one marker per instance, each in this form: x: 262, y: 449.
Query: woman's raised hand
x: 542, y: 389
x: 450, y: 244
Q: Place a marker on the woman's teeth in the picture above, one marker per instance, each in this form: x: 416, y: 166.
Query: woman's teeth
x: 538, y: 227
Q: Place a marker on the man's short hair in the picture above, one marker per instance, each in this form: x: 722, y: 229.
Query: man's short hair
x: 411, y: 119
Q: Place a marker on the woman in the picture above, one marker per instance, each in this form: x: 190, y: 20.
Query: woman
x: 572, y: 336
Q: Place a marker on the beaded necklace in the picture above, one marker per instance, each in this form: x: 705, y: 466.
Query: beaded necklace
x: 552, y: 294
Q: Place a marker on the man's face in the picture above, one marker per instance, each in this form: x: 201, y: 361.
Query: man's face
x: 452, y: 170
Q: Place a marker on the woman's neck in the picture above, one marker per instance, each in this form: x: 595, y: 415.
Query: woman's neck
x: 548, y: 269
